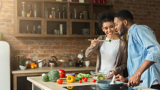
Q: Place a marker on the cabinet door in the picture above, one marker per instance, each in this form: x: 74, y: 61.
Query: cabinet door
x: 56, y: 28
x: 80, y: 28
x: 29, y: 27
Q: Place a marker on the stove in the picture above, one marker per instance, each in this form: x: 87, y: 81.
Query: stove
x: 95, y: 87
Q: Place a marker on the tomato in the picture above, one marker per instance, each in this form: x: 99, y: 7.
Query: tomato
x: 61, y: 75
x: 94, y: 80
x: 85, y: 80
x: 80, y: 81
x: 59, y: 81
x: 83, y: 77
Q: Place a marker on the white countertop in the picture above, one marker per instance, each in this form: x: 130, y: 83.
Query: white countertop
x: 48, y: 69
x: 37, y: 80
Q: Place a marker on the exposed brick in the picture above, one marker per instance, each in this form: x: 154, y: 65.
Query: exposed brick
x: 21, y: 47
x: 58, y: 47
x: 38, y: 51
x: 45, y: 47
x: 54, y: 43
x: 33, y: 47
x: 43, y: 55
x: 49, y: 51
x: 26, y: 51
x: 10, y: 24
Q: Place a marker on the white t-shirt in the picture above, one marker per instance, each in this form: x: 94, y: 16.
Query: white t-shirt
x: 108, y: 51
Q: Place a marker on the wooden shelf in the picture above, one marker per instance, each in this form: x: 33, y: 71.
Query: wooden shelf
x: 77, y: 3
x: 71, y: 27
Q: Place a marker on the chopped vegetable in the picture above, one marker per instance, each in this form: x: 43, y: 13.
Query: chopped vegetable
x: 53, y: 75
x: 77, y: 79
x: 101, y: 76
x: 80, y: 75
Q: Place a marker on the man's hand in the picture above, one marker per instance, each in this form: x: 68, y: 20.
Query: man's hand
x: 120, y: 78
x: 112, y: 74
x: 94, y: 42
x: 134, y: 80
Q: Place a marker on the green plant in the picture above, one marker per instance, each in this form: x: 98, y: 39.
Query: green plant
x: 23, y: 61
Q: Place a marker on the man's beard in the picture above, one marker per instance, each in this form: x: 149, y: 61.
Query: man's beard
x: 124, y: 30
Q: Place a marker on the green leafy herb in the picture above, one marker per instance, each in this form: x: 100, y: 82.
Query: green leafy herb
x: 110, y: 40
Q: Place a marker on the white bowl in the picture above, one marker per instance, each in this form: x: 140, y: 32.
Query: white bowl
x: 22, y: 67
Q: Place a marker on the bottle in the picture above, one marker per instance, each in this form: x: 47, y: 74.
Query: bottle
x: 35, y: 10
x: 23, y: 10
x: 30, y: 9
x: 64, y: 12
x: 27, y: 29
x: 53, y: 12
x: 75, y: 14
x: 46, y: 12
x: 59, y: 12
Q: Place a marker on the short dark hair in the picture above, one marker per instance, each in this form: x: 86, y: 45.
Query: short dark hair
x: 106, y: 16
x: 124, y: 15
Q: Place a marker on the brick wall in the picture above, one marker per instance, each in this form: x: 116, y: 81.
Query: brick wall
x: 145, y: 12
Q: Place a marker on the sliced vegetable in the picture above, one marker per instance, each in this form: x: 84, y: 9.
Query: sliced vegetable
x: 101, y: 76
x: 77, y: 79
x: 70, y: 78
x: 59, y: 81
x: 80, y: 75
x: 80, y: 81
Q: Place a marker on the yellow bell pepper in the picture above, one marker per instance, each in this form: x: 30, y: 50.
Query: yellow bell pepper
x: 70, y: 87
x: 70, y: 78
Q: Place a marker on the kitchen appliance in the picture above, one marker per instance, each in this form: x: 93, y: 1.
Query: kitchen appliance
x: 52, y: 62
x: 5, y: 66
x: 96, y: 87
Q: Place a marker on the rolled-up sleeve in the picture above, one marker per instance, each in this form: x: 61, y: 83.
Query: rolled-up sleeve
x: 149, y: 42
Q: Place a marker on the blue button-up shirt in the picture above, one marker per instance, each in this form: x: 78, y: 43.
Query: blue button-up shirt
x: 142, y: 45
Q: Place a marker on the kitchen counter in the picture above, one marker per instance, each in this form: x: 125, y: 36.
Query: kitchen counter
x: 39, y: 71
x: 37, y: 81
x: 47, y: 69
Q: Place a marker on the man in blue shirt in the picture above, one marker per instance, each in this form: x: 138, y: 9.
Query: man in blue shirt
x: 143, y: 52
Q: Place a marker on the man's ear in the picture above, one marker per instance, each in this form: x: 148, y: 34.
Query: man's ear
x: 125, y: 22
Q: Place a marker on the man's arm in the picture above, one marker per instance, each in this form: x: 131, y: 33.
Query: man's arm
x: 135, y: 78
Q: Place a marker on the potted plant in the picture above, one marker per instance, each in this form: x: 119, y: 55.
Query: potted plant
x: 22, y: 65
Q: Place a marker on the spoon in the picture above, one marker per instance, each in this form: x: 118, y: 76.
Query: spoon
x: 112, y: 82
